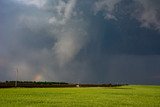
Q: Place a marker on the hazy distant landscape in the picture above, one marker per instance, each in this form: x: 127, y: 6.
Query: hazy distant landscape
x: 41, y: 84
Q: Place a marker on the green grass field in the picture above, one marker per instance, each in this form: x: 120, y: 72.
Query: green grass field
x: 124, y: 96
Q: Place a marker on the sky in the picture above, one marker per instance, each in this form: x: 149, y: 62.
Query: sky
x: 80, y: 41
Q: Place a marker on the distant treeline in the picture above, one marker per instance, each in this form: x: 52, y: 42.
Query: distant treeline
x: 34, y: 84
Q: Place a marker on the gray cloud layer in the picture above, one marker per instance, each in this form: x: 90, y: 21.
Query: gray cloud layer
x: 61, y: 40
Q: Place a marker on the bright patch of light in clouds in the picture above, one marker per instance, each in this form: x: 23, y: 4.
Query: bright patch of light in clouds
x: 37, y: 3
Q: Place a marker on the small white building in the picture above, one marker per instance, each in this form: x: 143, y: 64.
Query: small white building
x: 77, y: 86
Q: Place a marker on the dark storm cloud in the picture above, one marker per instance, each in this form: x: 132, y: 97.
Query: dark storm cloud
x: 80, y: 41
x: 145, y: 11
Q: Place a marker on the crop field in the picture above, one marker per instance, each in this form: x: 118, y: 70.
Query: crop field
x: 123, y: 96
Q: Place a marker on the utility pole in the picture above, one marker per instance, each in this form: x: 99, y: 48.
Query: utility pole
x: 16, y: 82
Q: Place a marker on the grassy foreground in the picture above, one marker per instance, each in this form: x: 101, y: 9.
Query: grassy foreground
x: 128, y: 96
